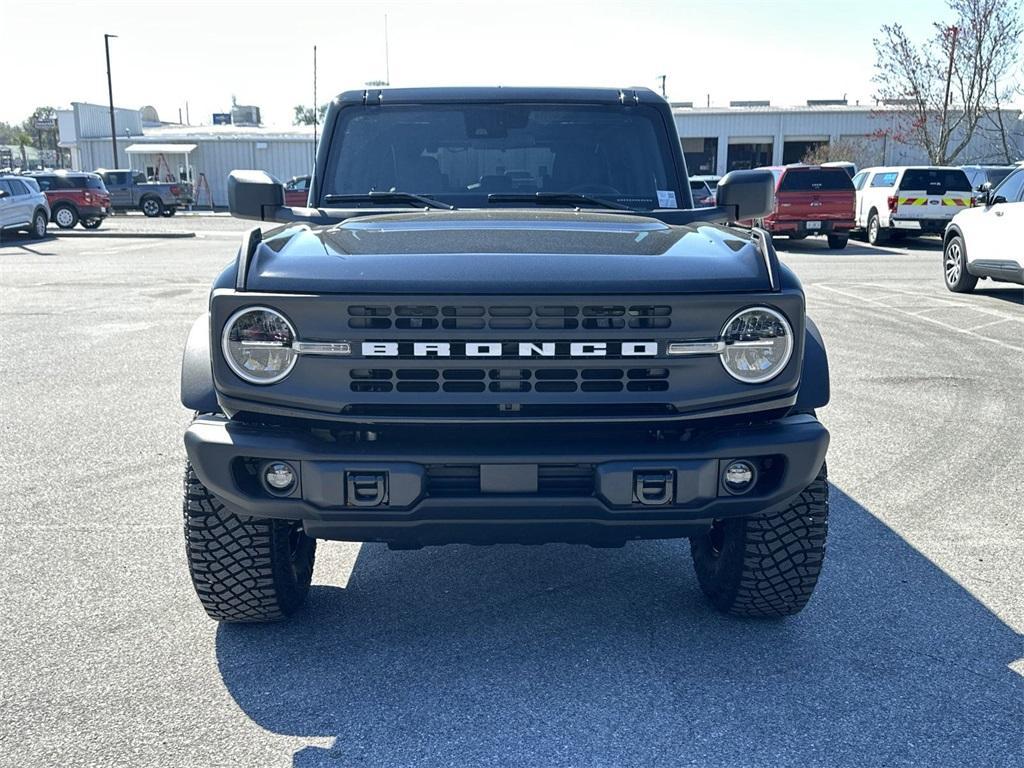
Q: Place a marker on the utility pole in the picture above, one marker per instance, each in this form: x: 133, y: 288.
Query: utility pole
x: 663, y: 95
x: 110, y: 93
x: 953, y: 32
x: 316, y: 109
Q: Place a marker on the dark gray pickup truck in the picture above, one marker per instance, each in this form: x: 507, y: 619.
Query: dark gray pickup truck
x: 504, y: 321
x: 130, y: 191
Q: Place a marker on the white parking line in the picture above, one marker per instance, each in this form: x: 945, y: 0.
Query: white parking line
x: 994, y: 322
x: 947, y: 326
x: 949, y: 301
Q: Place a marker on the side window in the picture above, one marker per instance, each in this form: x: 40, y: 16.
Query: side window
x: 17, y: 188
x: 5, y: 187
x: 44, y: 182
x: 139, y: 178
x: 859, y: 179
x: 886, y: 179
x: 1012, y: 187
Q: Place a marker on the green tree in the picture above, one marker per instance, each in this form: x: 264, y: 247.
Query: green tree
x: 304, y: 115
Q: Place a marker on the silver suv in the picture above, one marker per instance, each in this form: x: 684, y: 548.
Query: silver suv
x: 22, y: 206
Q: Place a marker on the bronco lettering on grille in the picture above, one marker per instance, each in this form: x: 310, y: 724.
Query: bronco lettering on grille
x: 512, y: 349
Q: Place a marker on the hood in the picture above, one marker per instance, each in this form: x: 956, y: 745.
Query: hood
x: 507, y: 252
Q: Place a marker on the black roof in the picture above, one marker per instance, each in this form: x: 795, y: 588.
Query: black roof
x: 500, y: 94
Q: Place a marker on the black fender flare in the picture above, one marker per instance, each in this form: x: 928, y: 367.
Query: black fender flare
x: 814, y: 386
x: 197, y: 390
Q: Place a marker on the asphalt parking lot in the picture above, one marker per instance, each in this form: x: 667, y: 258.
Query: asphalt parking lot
x: 910, y: 652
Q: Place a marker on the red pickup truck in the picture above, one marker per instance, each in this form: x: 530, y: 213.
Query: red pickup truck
x: 812, y: 200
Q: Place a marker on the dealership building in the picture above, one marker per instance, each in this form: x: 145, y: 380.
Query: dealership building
x: 715, y: 140
x: 744, y: 135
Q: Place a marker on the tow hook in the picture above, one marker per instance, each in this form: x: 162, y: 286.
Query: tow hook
x: 654, y: 488
x: 366, y: 489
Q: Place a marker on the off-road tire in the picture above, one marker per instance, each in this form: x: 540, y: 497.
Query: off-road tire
x: 954, y: 266
x: 64, y: 216
x: 876, y: 233
x: 243, y: 569
x: 838, y: 242
x: 766, y: 565
x: 151, y: 207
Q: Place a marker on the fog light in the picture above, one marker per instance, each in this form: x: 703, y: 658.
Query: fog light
x: 739, y: 476
x: 279, y: 476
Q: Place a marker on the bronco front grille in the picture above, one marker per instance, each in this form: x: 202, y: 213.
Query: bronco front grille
x: 512, y: 379
x: 454, y: 480
x: 567, y: 317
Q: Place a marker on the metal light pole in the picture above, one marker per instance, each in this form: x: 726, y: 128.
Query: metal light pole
x: 110, y: 93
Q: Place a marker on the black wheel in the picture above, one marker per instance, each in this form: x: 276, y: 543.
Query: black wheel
x: 170, y: 211
x: 92, y: 223
x: 954, y: 266
x: 798, y: 237
x: 877, y: 234
x: 838, y: 242
x: 38, y: 230
x: 65, y: 216
x: 244, y: 569
x: 765, y: 565
x: 152, y: 207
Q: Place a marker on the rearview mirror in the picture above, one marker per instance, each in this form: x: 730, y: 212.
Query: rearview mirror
x: 751, y: 194
x: 254, y: 195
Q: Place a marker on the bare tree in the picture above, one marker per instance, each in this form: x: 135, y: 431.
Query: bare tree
x: 841, y: 150
x: 954, y: 81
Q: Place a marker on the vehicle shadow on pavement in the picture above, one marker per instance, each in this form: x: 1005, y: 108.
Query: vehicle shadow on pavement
x: 819, y: 247
x: 563, y: 655
x: 1008, y: 292
x: 26, y: 244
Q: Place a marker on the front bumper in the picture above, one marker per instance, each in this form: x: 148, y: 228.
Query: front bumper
x: 487, y: 486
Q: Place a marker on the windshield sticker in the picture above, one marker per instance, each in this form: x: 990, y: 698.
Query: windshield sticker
x: 666, y: 198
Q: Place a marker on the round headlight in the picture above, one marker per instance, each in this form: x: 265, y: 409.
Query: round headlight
x: 758, y: 344
x: 257, y: 344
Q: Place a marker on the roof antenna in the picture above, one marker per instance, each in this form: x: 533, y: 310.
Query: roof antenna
x: 387, y: 56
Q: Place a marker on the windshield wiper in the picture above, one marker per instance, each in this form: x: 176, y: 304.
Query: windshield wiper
x: 555, y: 197
x: 388, y: 197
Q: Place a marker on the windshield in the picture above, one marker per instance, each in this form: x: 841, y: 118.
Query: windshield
x: 461, y: 153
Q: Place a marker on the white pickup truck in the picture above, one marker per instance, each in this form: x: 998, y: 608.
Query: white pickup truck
x: 914, y: 200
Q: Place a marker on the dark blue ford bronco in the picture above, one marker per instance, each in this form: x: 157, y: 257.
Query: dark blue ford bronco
x: 500, y: 319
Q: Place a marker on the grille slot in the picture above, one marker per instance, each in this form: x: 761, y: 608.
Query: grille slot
x: 462, y: 480
x: 564, y: 317
x: 465, y: 380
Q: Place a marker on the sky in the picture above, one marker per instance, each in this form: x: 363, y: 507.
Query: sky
x: 202, y: 53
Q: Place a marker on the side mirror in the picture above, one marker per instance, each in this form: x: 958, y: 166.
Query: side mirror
x: 984, y: 193
x: 254, y: 195
x: 4, y: 193
x: 750, y: 193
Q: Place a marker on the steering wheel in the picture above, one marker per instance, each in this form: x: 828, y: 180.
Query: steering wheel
x: 594, y: 189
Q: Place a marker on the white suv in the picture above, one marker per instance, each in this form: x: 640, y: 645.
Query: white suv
x: 908, y: 200
x: 22, y: 206
x: 986, y: 241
